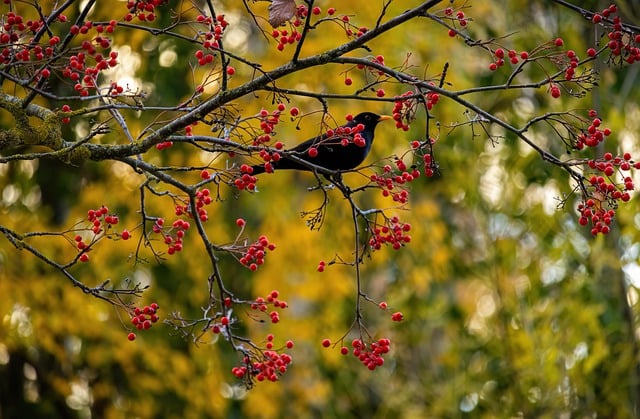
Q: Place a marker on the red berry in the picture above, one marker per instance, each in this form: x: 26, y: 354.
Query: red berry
x: 397, y: 316
x: 240, y: 222
x: 326, y: 343
x: 559, y: 42
x: 313, y: 152
x: 125, y: 235
x: 131, y: 336
x: 231, y: 71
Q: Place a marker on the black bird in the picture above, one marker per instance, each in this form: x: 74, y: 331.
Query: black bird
x: 343, y: 148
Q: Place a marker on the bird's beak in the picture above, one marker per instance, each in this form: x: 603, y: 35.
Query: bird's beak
x: 384, y: 118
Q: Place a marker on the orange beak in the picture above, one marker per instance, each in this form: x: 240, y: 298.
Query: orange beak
x: 384, y: 118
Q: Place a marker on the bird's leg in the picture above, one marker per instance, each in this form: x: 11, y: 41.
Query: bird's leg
x: 336, y: 180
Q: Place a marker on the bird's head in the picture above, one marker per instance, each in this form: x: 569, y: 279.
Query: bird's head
x: 369, y: 119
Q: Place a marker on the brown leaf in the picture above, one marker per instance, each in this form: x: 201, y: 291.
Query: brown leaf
x: 280, y: 11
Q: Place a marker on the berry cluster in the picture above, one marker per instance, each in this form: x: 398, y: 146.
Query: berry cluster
x: 571, y: 67
x: 393, y: 183
x: 321, y: 266
x: 393, y: 232
x: 609, y: 164
x: 622, y: 47
x: 458, y: 19
x: 269, y: 368
x: 403, y: 110
x: 142, y: 9
x: 599, y: 209
x: 603, y: 193
x: 246, y: 180
x: 262, y: 303
x: 173, y: 235
x: 268, y: 122
x: 432, y: 98
x: 593, y: 135
x: 13, y: 47
x: 83, y: 247
x: 144, y: 318
x: 260, y: 363
x: 270, y: 157
x: 284, y: 37
x: 370, y: 355
x: 405, y: 106
x: 101, y: 218
x: 203, y: 198
x: 253, y: 254
x: 17, y: 44
x: 429, y: 163
x: 512, y: 55
x: 101, y: 221
x: 292, y: 35
x: 163, y: 145
x: 211, y: 39
x: 600, y: 218
x: 79, y: 71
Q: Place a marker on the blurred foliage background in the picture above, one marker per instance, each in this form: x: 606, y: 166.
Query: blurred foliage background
x: 511, y: 308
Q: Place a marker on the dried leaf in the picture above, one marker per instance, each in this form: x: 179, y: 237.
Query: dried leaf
x: 280, y: 11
